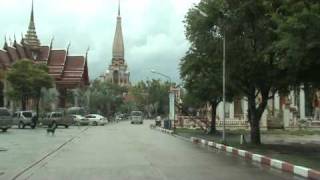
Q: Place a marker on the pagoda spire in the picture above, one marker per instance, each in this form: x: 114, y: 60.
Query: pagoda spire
x: 119, y: 14
x: 118, y: 45
x: 31, y: 37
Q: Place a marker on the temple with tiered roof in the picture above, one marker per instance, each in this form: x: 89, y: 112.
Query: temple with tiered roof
x: 68, y: 72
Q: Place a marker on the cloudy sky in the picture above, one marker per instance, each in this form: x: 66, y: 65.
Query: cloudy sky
x: 153, y: 30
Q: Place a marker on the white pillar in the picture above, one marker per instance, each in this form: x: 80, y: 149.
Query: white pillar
x: 245, y: 108
x: 292, y: 98
x: 286, y: 118
x: 302, y: 103
x: 263, y: 122
x: 277, y: 102
x: 231, y: 110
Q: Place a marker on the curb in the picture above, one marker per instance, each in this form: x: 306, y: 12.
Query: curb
x: 166, y: 131
x: 277, y: 164
x: 274, y: 163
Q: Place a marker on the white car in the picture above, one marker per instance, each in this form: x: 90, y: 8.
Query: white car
x: 96, y: 119
x: 80, y: 120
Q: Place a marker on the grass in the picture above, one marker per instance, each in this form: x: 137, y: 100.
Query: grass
x: 300, y: 154
x: 300, y: 132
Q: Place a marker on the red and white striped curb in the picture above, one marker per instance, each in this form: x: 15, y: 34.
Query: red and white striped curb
x: 167, y: 131
x: 281, y: 165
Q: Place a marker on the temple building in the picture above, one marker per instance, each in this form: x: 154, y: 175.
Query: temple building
x: 118, y: 73
x: 68, y: 72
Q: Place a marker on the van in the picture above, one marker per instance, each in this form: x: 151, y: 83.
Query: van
x: 5, y: 119
x: 23, y: 119
x: 55, y: 119
x: 136, y: 117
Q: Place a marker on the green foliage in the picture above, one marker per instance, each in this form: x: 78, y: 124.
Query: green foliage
x: 27, y: 79
x: 105, y: 97
x: 151, y: 97
x: 270, y: 46
x: 299, y: 40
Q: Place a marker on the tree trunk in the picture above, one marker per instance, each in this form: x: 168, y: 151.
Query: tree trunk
x: 24, y: 103
x: 255, y: 112
x: 37, y: 106
x: 213, y: 128
x: 255, y: 130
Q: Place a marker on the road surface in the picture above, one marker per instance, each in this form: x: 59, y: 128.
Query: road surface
x: 129, y: 152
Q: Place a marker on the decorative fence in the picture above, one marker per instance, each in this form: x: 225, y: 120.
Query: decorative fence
x: 204, y: 123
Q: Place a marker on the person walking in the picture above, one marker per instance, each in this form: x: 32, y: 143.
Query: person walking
x: 316, y: 106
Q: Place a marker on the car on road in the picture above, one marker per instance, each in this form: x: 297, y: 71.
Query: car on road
x: 80, y: 120
x: 136, y: 117
x: 5, y: 119
x: 119, y: 117
x: 23, y: 119
x: 55, y: 119
x: 96, y: 119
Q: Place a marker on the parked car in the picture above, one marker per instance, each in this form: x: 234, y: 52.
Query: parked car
x: 55, y: 119
x: 5, y: 119
x: 136, y: 117
x: 96, y: 119
x: 23, y: 119
x: 80, y: 120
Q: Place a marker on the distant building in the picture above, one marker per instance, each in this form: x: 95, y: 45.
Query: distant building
x: 69, y: 72
x: 118, y: 73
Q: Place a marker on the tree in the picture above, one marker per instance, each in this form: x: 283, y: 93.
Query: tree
x: 105, y: 97
x: 40, y: 80
x: 152, y: 96
x: 202, y: 79
x: 201, y: 68
x: 299, y: 42
x: 27, y: 80
x: 253, y: 68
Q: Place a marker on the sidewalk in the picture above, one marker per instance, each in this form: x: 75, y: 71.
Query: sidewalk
x: 300, y: 150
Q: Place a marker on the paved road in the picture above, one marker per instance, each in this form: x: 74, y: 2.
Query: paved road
x: 124, y: 151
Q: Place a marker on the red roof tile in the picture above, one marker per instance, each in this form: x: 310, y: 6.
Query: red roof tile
x: 58, y: 57
x: 4, y: 58
x: 75, y: 63
x: 20, y: 50
x: 44, y: 53
x: 13, y: 54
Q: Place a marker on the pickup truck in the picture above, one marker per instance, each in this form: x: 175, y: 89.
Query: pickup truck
x: 55, y: 119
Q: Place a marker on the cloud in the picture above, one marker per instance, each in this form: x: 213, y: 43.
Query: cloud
x: 153, y: 30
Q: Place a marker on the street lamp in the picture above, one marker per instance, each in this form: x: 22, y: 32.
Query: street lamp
x: 223, y: 79
x: 171, y: 94
x: 161, y: 74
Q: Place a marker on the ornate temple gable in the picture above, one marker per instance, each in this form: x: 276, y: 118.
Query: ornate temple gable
x: 21, y: 51
x: 44, y: 53
x: 13, y: 54
x: 73, y: 71
x: 56, y: 63
x: 4, y: 59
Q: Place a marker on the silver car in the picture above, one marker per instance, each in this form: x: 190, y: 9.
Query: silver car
x: 5, y: 119
x: 136, y: 117
x: 23, y: 119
